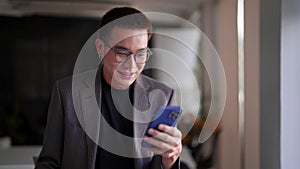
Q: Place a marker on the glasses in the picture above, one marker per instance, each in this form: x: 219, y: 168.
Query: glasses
x: 122, y: 54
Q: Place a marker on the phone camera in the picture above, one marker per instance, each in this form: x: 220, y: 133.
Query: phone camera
x: 173, y: 115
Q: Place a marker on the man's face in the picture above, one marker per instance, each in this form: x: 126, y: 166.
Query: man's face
x: 122, y: 75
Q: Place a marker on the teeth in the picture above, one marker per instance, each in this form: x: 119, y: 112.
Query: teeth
x: 127, y: 74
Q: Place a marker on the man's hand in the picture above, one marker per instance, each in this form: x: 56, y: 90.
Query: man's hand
x: 167, y: 142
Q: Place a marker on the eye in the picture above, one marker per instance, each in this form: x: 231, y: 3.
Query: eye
x: 141, y: 54
x: 123, y: 55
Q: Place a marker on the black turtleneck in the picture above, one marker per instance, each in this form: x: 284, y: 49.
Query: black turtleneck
x: 117, y: 111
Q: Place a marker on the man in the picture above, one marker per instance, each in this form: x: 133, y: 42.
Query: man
x: 98, y: 119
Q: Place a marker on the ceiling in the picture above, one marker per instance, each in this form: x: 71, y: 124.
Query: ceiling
x: 96, y: 8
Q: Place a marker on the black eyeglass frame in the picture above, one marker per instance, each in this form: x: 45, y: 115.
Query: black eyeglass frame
x: 128, y: 53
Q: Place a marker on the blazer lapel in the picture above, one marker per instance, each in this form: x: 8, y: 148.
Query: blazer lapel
x: 146, y: 102
x: 91, y: 117
x: 141, y: 105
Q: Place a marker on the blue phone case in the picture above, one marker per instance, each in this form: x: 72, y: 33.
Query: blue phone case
x: 168, y: 115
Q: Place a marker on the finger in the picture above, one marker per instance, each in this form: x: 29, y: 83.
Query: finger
x: 158, y: 144
x: 164, y: 137
x: 169, y: 154
x: 164, y: 153
x: 173, y: 131
x: 154, y: 150
x: 175, y: 152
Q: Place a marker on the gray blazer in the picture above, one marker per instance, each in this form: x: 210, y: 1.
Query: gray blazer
x: 73, y: 123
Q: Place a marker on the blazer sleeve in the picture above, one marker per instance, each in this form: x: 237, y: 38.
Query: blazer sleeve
x: 50, y: 156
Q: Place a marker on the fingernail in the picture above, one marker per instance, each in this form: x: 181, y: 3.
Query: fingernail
x: 161, y: 127
x: 151, y: 130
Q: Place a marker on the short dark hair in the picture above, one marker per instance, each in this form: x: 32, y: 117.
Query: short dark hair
x: 133, y: 19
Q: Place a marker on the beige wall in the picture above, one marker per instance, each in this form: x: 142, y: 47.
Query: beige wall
x: 227, y: 48
x: 252, y: 97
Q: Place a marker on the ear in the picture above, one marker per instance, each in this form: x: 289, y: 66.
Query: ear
x: 100, y: 46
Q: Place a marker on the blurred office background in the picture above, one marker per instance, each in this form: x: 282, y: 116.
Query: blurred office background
x: 257, y: 41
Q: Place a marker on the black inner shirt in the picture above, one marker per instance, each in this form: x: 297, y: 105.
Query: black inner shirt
x: 116, y: 108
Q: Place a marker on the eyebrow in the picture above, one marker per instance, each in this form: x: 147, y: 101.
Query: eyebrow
x: 124, y: 48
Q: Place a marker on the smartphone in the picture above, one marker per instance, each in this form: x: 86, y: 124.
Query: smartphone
x: 168, y: 115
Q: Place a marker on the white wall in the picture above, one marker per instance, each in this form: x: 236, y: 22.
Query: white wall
x: 175, y: 57
x: 290, y: 83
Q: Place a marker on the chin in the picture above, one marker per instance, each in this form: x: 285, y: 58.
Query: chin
x: 123, y: 84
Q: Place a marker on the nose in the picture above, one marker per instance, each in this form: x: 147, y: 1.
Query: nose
x: 130, y: 62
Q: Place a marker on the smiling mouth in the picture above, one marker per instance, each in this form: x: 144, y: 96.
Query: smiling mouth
x: 127, y: 75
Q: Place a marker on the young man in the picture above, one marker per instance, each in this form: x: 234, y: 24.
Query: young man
x: 98, y: 119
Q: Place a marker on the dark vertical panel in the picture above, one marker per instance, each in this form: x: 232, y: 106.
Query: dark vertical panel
x: 35, y: 52
x: 270, y: 84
